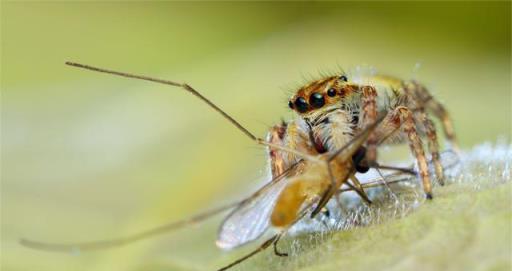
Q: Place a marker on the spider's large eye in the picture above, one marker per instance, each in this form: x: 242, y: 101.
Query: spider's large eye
x: 301, y: 105
x: 316, y: 100
x: 343, y: 78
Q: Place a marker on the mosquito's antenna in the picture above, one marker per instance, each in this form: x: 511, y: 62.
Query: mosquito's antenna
x: 375, y: 183
x: 171, y: 83
x: 409, y: 171
x: 383, y: 180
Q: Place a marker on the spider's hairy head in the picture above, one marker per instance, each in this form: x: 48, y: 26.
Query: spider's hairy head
x: 321, y: 95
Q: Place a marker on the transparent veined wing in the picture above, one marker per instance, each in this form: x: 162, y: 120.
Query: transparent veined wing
x: 251, y: 218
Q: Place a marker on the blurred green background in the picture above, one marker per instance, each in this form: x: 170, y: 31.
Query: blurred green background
x: 87, y: 156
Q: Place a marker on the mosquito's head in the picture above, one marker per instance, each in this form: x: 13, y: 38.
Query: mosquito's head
x: 320, y: 95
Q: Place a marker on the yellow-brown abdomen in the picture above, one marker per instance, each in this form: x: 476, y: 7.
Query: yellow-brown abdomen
x: 287, y: 205
x: 302, y: 189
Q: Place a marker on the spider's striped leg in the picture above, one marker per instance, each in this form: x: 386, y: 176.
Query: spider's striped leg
x: 439, y: 110
x: 369, y: 99
x: 423, y: 98
x: 402, y: 118
x: 369, y: 95
x: 433, y: 145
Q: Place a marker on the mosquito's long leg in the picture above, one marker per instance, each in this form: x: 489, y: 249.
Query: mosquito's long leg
x: 409, y: 171
x: 271, y: 241
x: 383, y: 181
x: 284, y: 231
x: 358, y: 188
x: 105, y: 244
x: 276, y: 250
x: 262, y: 247
x: 333, y: 187
x: 379, y: 181
x: 196, y: 93
x: 374, y: 184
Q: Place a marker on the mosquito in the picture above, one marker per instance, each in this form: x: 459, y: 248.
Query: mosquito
x: 340, y: 125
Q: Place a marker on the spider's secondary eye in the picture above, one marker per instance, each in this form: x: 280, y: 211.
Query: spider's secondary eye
x: 316, y: 100
x: 343, y: 78
x: 290, y: 104
x: 331, y: 92
x: 301, y: 105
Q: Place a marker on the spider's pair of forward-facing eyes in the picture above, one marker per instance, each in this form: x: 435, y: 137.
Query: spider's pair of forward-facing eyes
x: 316, y: 100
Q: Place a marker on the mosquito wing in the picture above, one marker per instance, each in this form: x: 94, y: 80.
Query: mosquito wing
x: 252, y: 217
